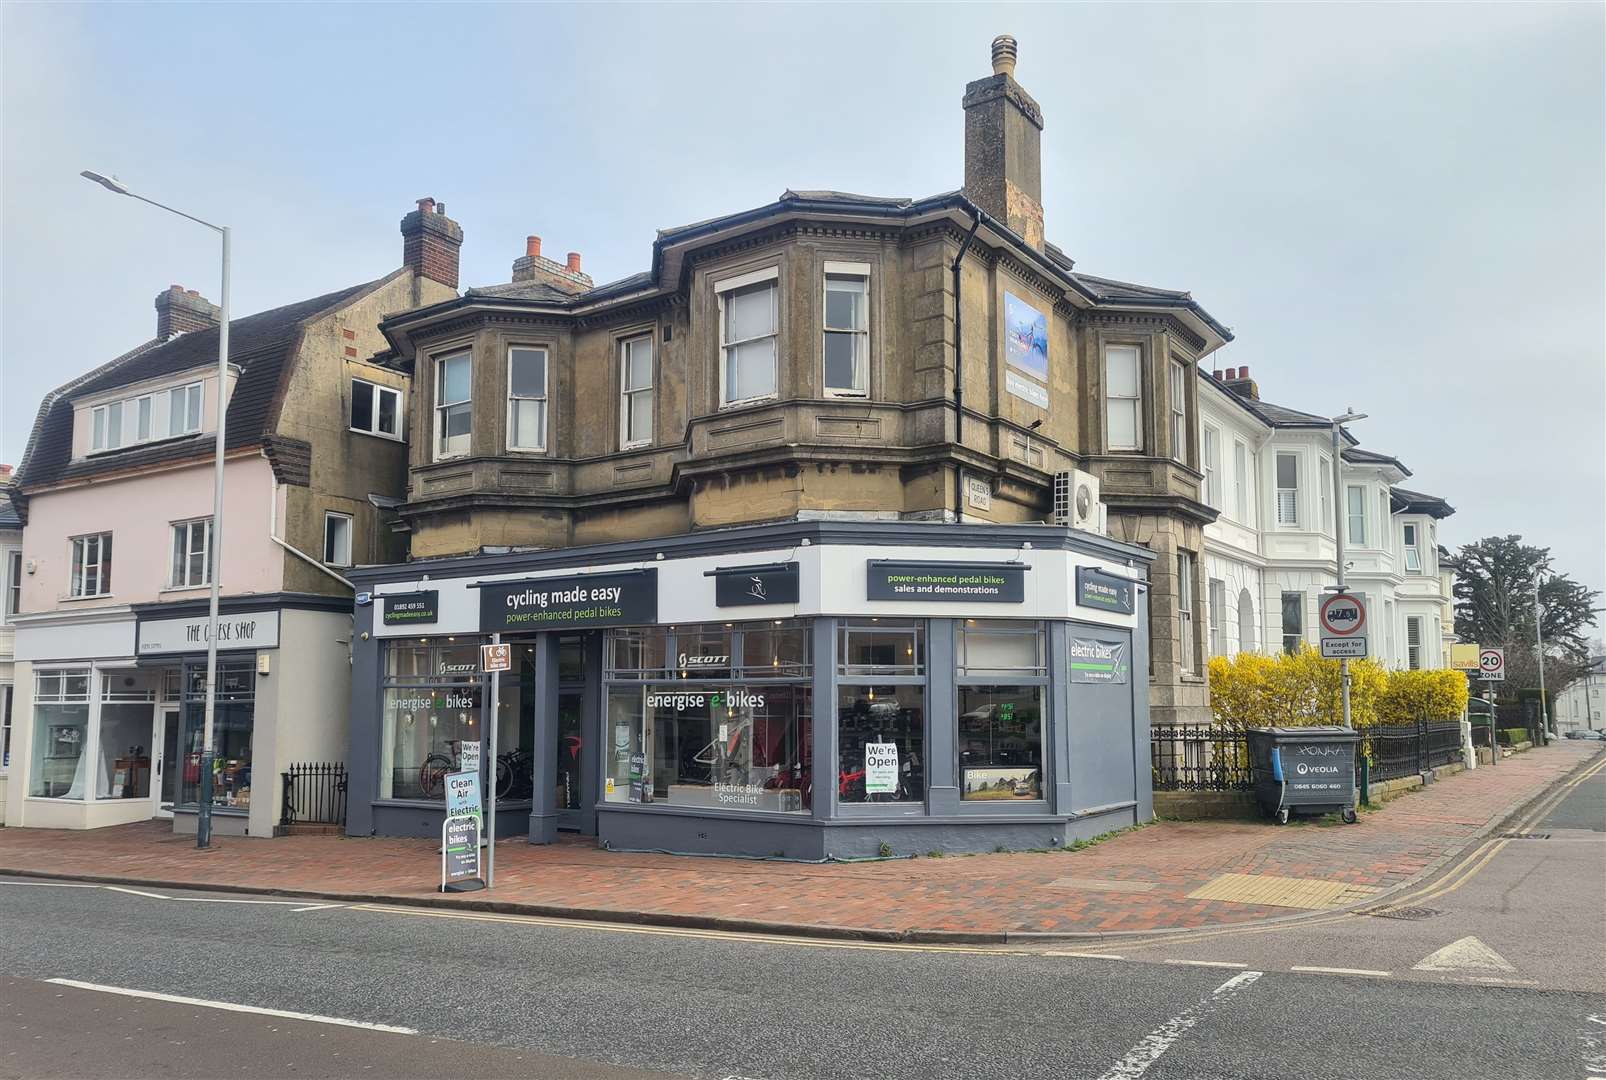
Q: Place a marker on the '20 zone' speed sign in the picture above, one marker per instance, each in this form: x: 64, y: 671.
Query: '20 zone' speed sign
x: 1343, y: 626
x: 1492, y: 665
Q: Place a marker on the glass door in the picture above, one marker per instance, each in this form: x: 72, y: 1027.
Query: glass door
x: 165, y: 768
x: 574, y: 791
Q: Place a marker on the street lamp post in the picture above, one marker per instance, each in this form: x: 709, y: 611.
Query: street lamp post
x: 1539, y: 647
x: 203, y: 816
x: 1350, y: 415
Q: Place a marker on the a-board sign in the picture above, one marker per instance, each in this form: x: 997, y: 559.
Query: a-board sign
x: 414, y: 607
x: 1106, y: 592
x: 577, y: 601
x: 463, y: 791
x: 1342, y: 620
x: 460, y: 853
x: 935, y: 582
x: 880, y: 768
x: 1492, y: 665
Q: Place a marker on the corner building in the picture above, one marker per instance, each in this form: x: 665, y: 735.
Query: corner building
x: 969, y: 469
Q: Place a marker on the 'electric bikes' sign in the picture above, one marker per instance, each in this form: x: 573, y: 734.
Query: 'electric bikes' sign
x: 1095, y: 660
x: 621, y: 598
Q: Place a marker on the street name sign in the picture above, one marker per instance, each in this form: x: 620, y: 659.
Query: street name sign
x: 1342, y: 618
x: 1492, y: 665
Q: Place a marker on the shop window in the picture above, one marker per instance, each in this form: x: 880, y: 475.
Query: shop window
x: 60, y: 734
x: 123, y: 765
x: 1000, y: 741
x: 431, y: 706
x: 427, y: 660
x: 712, y: 746
x: 1001, y: 647
x: 703, y: 652
x: 881, y: 737
x: 232, y: 723
x: 638, y: 654
x: 515, y: 735
x: 778, y: 650
x: 883, y: 647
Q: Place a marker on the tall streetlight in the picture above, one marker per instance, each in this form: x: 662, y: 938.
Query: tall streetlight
x: 1539, y: 648
x: 203, y: 817
x: 1349, y: 417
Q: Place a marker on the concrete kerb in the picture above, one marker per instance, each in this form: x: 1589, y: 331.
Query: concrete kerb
x: 672, y: 920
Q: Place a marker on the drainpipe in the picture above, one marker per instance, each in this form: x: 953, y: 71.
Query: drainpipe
x: 959, y: 367
x: 273, y: 534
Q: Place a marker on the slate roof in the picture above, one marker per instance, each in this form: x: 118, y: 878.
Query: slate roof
x: 1417, y: 502
x: 259, y: 345
x: 535, y: 291
x: 1372, y: 457
x: 9, y: 518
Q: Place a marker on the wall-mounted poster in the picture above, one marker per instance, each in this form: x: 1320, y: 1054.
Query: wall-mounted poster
x: 1025, y: 339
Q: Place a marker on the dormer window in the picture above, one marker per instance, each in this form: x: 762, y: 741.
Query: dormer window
x: 147, y: 418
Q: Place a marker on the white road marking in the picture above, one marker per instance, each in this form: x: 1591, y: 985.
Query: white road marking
x: 230, y: 1006
x: 1207, y: 963
x: 1466, y: 954
x: 52, y: 884
x: 1342, y: 971
x: 230, y: 900
x: 315, y: 907
x: 1158, y: 1041
x: 1086, y: 955
x: 135, y: 892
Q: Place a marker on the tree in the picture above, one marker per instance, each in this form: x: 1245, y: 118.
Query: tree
x: 1494, y: 601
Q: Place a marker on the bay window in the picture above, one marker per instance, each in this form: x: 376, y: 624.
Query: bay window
x: 1293, y: 621
x: 1218, y: 608
x: 1186, y: 644
x: 1240, y: 483
x: 1179, y: 412
x: 635, y: 391
x: 1123, y: 398
x: 1356, y: 513
x: 1288, y: 489
x: 60, y: 734
x: 748, y: 328
x: 1325, y: 494
x: 1212, y: 467
x: 454, y: 404
x: 1413, y: 553
x: 526, y: 398
x: 847, y: 330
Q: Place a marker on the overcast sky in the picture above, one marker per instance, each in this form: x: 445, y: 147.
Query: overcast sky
x: 1401, y: 209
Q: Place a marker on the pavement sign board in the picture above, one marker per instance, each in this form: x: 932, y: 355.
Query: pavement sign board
x: 1492, y: 665
x: 1342, y: 618
x: 460, y: 853
x: 463, y: 793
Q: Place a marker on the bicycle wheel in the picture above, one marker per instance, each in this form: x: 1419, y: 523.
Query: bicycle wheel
x: 504, y: 776
x: 432, y: 774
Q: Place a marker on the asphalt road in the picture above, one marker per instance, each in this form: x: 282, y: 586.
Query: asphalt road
x: 505, y: 995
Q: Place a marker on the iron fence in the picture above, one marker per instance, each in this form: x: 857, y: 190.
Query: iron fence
x: 1186, y: 757
x: 314, y: 794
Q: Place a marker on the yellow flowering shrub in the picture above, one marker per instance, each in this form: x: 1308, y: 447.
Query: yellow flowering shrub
x: 1423, y: 695
x: 1292, y: 690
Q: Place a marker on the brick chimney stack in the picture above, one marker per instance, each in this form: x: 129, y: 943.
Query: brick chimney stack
x: 533, y: 266
x: 1003, y: 136
x: 181, y: 311
x: 431, y: 242
x: 1239, y: 382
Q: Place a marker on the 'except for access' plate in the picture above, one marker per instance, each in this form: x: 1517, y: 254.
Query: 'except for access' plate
x: 1344, y: 648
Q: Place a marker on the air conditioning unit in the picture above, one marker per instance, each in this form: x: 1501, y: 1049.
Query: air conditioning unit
x: 1076, y: 501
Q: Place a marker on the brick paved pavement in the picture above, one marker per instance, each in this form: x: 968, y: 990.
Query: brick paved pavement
x: 1138, y: 881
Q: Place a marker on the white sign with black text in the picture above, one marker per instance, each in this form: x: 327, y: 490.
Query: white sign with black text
x: 880, y: 768
x: 236, y: 630
x: 1342, y: 619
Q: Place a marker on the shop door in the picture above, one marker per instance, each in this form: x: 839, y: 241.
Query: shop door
x: 575, y: 789
x: 164, y: 779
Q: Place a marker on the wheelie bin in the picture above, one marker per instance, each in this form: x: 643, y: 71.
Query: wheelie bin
x: 1304, y: 770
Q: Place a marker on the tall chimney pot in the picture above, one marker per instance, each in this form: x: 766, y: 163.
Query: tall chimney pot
x: 532, y: 247
x: 1004, y: 51
x: 574, y: 262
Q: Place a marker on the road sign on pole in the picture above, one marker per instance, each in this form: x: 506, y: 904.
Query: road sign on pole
x: 1492, y: 665
x: 1342, y: 617
x: 496, y: 657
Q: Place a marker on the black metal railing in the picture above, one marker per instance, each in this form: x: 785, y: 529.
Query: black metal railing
x: 1185, y: 757
x: 314, y: 794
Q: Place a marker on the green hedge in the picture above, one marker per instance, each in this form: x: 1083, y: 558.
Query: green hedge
x: 1511, y: 736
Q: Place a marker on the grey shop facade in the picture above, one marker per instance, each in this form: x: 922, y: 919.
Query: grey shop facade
x: 807, y: 690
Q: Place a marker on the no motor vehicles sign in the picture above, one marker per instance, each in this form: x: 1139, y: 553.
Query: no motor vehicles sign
x: 1343, y: 623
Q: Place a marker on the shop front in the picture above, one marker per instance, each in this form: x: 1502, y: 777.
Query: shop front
x: 808, y: 690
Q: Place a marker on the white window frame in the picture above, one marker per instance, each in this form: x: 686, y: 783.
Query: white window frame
x: 79, y: 564
x: 1211, y: 465
x: 1240, y: 482
x: 723, y: 289
x: 439, y: 450
x: 1217, y: 598
x: 1185, y: 563
x: 627, y: 392
x: 1324, y: 492
x: 1292, y: 520
x: 544, y: 398
x: 1136, y: 397
x: 8, y: 698
x: 13, y: 583
x: 188, y: 527
x: 860, y: 335
x: 329, y: 518
x: 1282, y: 621
x: 142, y: 419
x: 191, y: 390
x: 1415, y: 626
x: 1410, y: 540
x: 378, y: 390
x: 1355, y: 494
x: 1179, y: 411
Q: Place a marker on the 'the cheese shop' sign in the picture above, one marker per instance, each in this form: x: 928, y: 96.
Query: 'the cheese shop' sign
x: 928, y: 582
x: 1096, y: 589
x: 402, y: 609
x: 235, y: 630
x: 620, y: 598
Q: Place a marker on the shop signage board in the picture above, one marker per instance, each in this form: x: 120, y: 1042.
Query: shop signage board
x: 236, y: 630
x: 1342, y: 621
x: 1105, y: 592
x: 880, y: 768
x: 1098, y: 660
x: 1464, y: 656
x: 1492, y: 665
x: 496, y: 658
x: 742, y: 586
x: 620, y: 598
x: 402, y: 609
x: 928, y: 582
x: 460, y: 853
